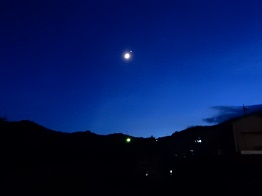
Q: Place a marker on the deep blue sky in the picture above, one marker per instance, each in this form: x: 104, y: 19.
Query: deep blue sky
x: 62, y: 67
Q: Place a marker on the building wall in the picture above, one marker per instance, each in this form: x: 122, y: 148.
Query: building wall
x: 248, y: 134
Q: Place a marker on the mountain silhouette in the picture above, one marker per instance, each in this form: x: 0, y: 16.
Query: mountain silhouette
x: 35, y: 157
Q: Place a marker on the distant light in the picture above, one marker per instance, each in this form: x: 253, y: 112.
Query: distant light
x: 128, y: 139
x: 156, y: 140
x: 198, y: 141
x: 146, y: 174
x: 171, y: 171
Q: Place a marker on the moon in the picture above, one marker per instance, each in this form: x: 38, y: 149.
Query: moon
x: 127, y: 55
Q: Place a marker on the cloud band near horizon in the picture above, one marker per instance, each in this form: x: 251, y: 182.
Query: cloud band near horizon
x: 229, y: 112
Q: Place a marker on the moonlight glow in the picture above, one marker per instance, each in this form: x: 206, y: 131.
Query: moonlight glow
x: 127, y: 55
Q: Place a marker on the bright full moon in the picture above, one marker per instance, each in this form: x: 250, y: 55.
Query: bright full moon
x: 127, y: 55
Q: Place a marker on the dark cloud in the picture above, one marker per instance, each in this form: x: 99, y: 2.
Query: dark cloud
x: 229, y: 112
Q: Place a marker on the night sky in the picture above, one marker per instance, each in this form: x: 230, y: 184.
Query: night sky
x: 62, y: 63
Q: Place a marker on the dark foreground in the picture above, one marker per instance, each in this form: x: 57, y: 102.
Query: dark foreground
x: 37, y: 161
x: 77, y: 185
x: 226, y: 177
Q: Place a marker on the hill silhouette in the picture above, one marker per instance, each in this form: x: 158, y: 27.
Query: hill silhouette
x: 35, y: 158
